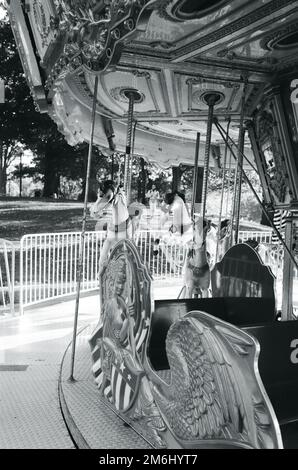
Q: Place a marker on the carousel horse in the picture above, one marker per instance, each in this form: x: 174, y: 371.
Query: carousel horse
x: 180, y: 234
x: 120, y: 221
x: 201, y: 257
x: 196, y: 270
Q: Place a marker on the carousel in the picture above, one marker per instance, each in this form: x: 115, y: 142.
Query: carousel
x: 213, y: 85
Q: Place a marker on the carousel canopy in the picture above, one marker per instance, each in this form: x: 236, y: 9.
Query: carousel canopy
x: 173, y: 54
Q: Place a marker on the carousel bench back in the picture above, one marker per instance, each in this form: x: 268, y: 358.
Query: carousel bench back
x: 241, y: 273
x: 212, y: 369
x: 236, y: 310
x: 278, y: 365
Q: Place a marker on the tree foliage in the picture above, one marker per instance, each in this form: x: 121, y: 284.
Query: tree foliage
x: 23, y: 127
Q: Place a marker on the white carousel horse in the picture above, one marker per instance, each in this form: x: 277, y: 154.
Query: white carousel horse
x: 180, y: 234
x: 196, y: 270
x: 201, y: 256
x: 120, y: 222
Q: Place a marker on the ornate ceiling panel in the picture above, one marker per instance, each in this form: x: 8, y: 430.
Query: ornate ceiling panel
x: 164, y: 143
x: 166, y: 27
x: 114, y: 85
x: 168, y: 95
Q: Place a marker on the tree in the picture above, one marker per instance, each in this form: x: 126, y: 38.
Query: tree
x: 16, y: 102
x: 22, y: 126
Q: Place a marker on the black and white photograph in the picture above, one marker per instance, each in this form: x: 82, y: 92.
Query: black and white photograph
x: 148, y: 228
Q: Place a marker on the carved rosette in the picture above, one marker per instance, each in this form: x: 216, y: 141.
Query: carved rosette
x: 120, y: 94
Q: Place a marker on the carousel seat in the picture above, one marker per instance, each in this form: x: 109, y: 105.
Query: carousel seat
x: 240, y: 311
x: 147, y: 367
x: 278, y: 366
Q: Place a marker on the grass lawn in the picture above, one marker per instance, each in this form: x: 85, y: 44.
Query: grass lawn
x: 20, y: 217
x: 25, y: 216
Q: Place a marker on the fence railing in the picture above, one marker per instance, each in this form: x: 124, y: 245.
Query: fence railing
x: 47, y: 264
x: 7, y: 276
x: 261, y: 237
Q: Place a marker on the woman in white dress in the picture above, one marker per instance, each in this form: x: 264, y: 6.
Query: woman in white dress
x: 182, y: 227
x: 153, y: 196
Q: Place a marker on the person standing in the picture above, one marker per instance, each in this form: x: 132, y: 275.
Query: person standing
x: 181, y: 222
x: 153, y: 196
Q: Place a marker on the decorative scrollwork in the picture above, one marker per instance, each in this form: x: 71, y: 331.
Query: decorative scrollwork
x: 41, y: 21
x: 96, y: 32
x: 86, y: 29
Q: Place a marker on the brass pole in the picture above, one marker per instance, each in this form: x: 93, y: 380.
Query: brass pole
x: 212, y: 98
x: 127, y: 164
x: 195, y: 179
x: 222, y: 192
x: 239, y: 170
x: 81, y: 252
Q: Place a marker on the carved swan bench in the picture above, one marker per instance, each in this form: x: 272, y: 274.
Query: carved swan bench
x: 210, y: 396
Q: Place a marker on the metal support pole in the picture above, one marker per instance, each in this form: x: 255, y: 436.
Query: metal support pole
x: 239, y: 169
x: 113, y: 167
x: 131, y: 162
x: 195, y: 179
x: 127, y: 164
x: 21, y: 180
x: 81, y: 253
x: 228, y: 211
x: 222, y: 193
x: 288, y: 274
x: 239, y: 184
x: 212, y: 98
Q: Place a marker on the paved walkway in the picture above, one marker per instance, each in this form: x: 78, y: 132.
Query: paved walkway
x: 31, y: 349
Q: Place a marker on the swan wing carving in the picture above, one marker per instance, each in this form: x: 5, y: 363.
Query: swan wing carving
x: 209, y: 398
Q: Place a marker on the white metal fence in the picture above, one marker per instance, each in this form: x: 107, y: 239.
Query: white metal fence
x: 261, y: 237
x: 7, y: 276
x: 47, y: 264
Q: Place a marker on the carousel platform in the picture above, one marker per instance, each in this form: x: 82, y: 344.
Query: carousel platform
x: 35, y: 412
x: 34, y: 357
x: 90, y: 422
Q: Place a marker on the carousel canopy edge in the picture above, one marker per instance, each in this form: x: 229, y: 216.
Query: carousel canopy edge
x: 173, y: 53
